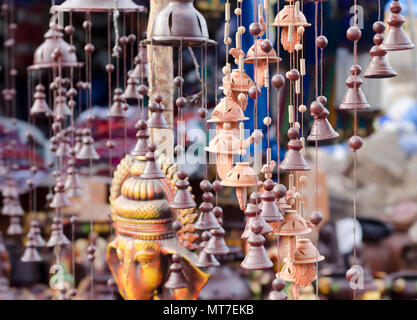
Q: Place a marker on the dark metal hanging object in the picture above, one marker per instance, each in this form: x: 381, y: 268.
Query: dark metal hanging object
x: 396, y: 39
x: 294, y: 159
x: 379, y: 67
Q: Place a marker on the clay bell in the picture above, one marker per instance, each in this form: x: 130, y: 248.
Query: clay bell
x: 60, y: 200
x: 73, y: 183
x: 354, y: 97
x: 278, y: 285
x: 227, y: 110
x: 396, y: 39
x: 14, y: 227
x: 241, y: 176
x: 257, y: 258
x: 205, y: 259
x: 116, y: 109
x: 294, y: 159
x: 61, y: 108
x: 321, y: 129
x: 152, y: 169
x: 31, y: 253
x: 293, y: 224
x: 131, y: 91
x: 176, y: 278
x: 239, y: 81
x: 141, y: 147
x: 305, y: 252
x: 269, y: 209
x: 179, y: 20
x: 57, y: 237
x: 87, y: 150
x: 254, y: 217
x: 379, y: 66
x: 227, y: 142
x: 183, y: 198
x: 206, y: 220
x: 290, y: 19
x: 216, y: 244
x: 35, y: 231
x: 39, y: 104
x: 157, y: 119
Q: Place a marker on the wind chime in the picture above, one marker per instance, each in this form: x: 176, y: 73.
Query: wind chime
x: 379, y: 67
x: 57, y: 78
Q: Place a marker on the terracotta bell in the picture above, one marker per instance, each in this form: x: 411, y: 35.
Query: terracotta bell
x: 293, y: 224
x: 205, y: 259
x: 116, y: 109
x: 206, y: 220
x: 239, y: 81
x: 131, y: 91
x: 64, y: 146
x: 183, y: 198
x: 241, y: 177
x: 60, y: 199
x: 278, y: 285
x: 216, y: 243
x: 141, y: 147
x: 78, y: 140
x: 254, y: 217
x: 379, y: 66
x: 227, y: 111
x: 57, y: 237
x: 176, y: 278
x: 305, y: 252
x: 31, y: 253
x: 256, y: 258
x: 294, y: 159
x: 61, y: 108
x: 87, y: 150
x: 396, y: 39
x: 269, y: 210
x: 321, y: 129
x: 14, y: 227
x: 73, y: 183
x: 157, y: 119
x: 39, y: 104
x: 262, y: 60
x: 179, y: 20
x: 290, y: 19
x: 35, y: 231
x: 354, y: 97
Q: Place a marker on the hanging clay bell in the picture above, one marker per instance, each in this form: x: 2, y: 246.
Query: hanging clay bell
x: 141, y: 147
x: 206, y: 220
x: 227, y: 110
x: 241, y: 177
x: 269, y: 209
x: 35, y: 230
x: 183, y: 198
x: 176, y: 278
x: 61, y: 108
x: 39, y: 104
x: 262, y: 59
x: 57, y: 237
x: 239, y: 81
x: 179, y: 21
x: 305, y: 252
x: 116, y: 109
x: 216, y: 244
x: 321, y: 129
x: 290, y: 19
x: 294, y: 159
x: 63, y: 147
x: 396, y: 39
x: 257, y: 258
x: 73, y: 183
x: 87, y: 150
x: 60, y: 199
x: 354, y: 97
x: 205, y: 259
x: 157, y: 119
x: 78, y: 140
x: 31, y: 253
x: 14, y: 228
x: 131, y: 91
x: 293, y: 224
x: 379, y: 66
x: 253, y: 214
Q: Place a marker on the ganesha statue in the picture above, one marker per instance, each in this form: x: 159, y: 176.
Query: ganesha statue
x: 140, y: 255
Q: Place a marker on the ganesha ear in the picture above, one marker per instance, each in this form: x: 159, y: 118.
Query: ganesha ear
x: 196, y: 278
